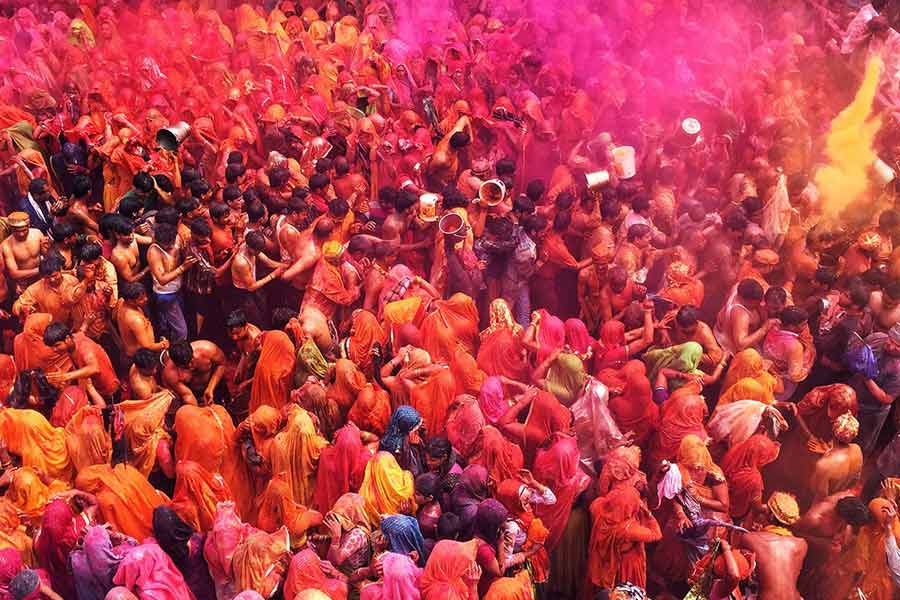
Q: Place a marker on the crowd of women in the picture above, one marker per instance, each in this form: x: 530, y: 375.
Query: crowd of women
x: 448, y: 300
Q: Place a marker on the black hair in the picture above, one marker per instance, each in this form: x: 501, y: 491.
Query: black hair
x: 826, y: 275
x: 793, y: 316
x: 459, y: 139
x: 281, y: 316
x: 610, y: 208
x: 234, y: 171
x: 406, y: 200
x: 859, y: 295
x: 278, y: 177
x: 164, y: 183
x: 358, y: 243
x: 142, y: 182
x: 200, y: 228
x: 231, y: 193
x: 181, y: 353
x: 428, y: 484
x: 37, y: 186
x: 165, y: 233
x: 338, y: 207
x: 735, y: 219
x: 255, y: 240
x: 323, y: 165
x: 255, y: 211
x: 235, y: 157
x: 81, y: 186
x: 341, y: 166
x: 853, y: 510
x: 534, y: 223
x: 167, y: 215
x: 129, y: 290
x: 750, y: 289
x: 217, y: 210
x: 187, y: 205
x: 145, y: 358
x: 564, y: 201
x: 638, y: 230
x: 892, y: 289
x: 448, y: 526
x: 51, y: 263
x: 687, y: 316
x: 56, y: 333
x: 640, y: 203
x: 61, y: 230
x: 200, y: 188
x: 319, y: 181
x: 751, y: 205
x: 90, y: 252
x: 776, y: 295
x: 120, y: 225
x: 535, y: 189
x: 235, y: 318
x: 188, y: 175
x: 130, y: 206
x: 505, y: 166
x: 439, y: 447
x: 562, y: 220
x: 523, y: 204
x: 453, y: 198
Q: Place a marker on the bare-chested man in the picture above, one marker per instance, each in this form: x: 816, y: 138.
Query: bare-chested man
x: 142, y: 377
x: 125, y: 255
x: 840, y: 466
x: 779, y: 554
x: 686, y: 326
x: 245, y: 336
x: 22, y: 251
x: 739, y: 325
x: 300, y: 250
x: 885, y: 306
x: 245, y: 280
x: 193, y: 370
x: 135, y: 328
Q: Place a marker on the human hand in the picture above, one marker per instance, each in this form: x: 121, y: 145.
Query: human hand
x: 817, y: 445
x: 189, y: 262
x: 208, y: 395
x: 771, y: 324
x: 682, y: 522
x: 888, y: 514
x: 164, y: 343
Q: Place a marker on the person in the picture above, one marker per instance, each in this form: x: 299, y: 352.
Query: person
x: 791, y: 352
x: 55, y: 293
x: 452, y: 572
x: 93, y: 368
x: 687, y: 326
x: 779, y: 554
x: 133, y: 325
x: 840, y: 467
x: 328, y: 290
x: 167, y: 270
x: 22, y: 251
x: 193, y: 371
x: 877, y: 394
x: 246, y: 286
x: 739, y: 325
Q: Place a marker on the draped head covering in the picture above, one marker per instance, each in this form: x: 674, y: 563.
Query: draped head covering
x: 403, y: 535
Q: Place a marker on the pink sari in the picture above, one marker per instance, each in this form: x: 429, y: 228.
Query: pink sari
x: 149, y: 571
x: 551, y: 335
x: 400, y: 582
x: 559, y: 468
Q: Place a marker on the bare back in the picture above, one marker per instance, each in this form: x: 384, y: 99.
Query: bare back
x: 779, y: 559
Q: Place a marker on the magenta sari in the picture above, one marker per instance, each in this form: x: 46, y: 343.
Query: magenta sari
x: 149, y: 570
x: 492, y: 400
x: 60, y: 530
x: 551, y: 335
x: 400, y: 582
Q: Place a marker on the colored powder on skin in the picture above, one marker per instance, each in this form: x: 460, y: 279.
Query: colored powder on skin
x: 850, y: 147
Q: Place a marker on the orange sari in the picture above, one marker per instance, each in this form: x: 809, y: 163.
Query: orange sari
x: 451, y: 324
x: 365, y: 332
x: 145, y: 428
x: 277, y: 509
x: 30, y: 495
x: 29, y: 349
x: 295, y: 454
x: 372, y: 409
x: 13, y: 533
x: 469, y: 377
x: 348, y: 381
x: 197, y: 491
x: 125, y: 497
x: 260, y: 561
x: 31, y: 437
x: 274, y: 375
x: 433, y: 399
x: 87, y: 440
x: 206, y: 435
x: 612, y: 557
x: 498, y: 455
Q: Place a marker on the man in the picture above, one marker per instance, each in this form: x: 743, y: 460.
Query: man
x: 222, y: 237
x: 739, y: 325
x: 37, y: 204
x: 167, y: 269
x: 125, y: 255
x: 347, y: 183
x: 245, y: 292
x: 521, y: 266
x: 64, y: 239
x: 193, y: 371
x: 80, y: 207
x: 885, y: 306
x: 134, y: 327
x: 634, y: 254
x: 877, y: 394
x: 299, y: 249
x: 91, y: 315
x: 328, y: 290
x: 760, y: 266
x: 22, y: 251
x: 687, y: 327
x: 556, y: 259
x: 590, y: 286
x: 93, y: 369
x: 779, y: 554
x: 142, y: 376
x: 787, y: 347
x: 618, y: 294
x: 840, y: 467
x: 443, y: 168
x: 246, y: 338
x: 55, y: 293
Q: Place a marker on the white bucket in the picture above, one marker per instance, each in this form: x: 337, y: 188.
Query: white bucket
x: 882, y: 173
x: 597, y: 179
x: 625, y: 162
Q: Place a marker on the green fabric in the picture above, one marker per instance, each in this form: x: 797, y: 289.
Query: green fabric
x: 309, y: 362
x: 683, y: 357
x: 22, y: 135
x: 565, y: 378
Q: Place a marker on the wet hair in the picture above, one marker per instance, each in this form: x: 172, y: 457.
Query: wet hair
x: 534, y: 223
x: 164, y: 183
x: 428, y: 484
x: 50, y: 264
x: 687, y: 316
x: 535, y: 189
x: 640, y: 203
x: 90, y: 252
x: 459, y: 140
x: 853, y: 510
x: 750, y: 289
x: 181, y: 353
x: 167, y: 215
x: 358, y: 243
x: 61, y: 230
x: 505, y: 166
x: 120, y: 225
x: 56, y: 333
x: 235, y: 318
x: 319, y: 181
x: 278, y: 177
x: 610, y: 208
x: 439, y: 447
x: 281, y: 316
x: 234, y: 171
x: 255, y: 211
x: 523, y: 204
x: 130, y: 206
x: 231, y: 193
x: 218, y: 210
x: 323, y: 165
x: 564, y: 201
x: 130, y: 290
x: 448, y: 526
x: 164, y: 233
x: 187, y: 205
x: 255, y: 240
x: 793, y: 316
x: 735, y: 219
x: 406, y: 200
x: 638, y: 230
x: 776, y: 295
x: 81, y: 186
x: 338, y: 207
x: 200, y: 228
x: 188, y: 175
x: 387, y: 196
x: 142, y: 182
x: 235, y: 157
x: 453, y: 198
x: 145, y: 358
x: 341, y: 166
x: 200, y: 188
x: 859, y: 295
x: 561, y: 221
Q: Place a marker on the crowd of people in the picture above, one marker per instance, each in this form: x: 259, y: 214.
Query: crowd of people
x: 432, y: 300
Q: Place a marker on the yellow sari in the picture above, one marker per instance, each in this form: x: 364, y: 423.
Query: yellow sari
x: 31, y: 437
x: 295, y: 452
x: 13, y: 533
x: 386, y: 488
x: 145, y: 428
x: 29, y: 495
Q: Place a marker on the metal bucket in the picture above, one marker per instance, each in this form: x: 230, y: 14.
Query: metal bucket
x: 492, y: 192
x: 451, y: 224
x: 169, y: 138
x: 597, y: 179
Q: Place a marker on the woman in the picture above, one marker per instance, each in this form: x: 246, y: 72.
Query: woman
x: 748, y: 379
x: 95, y: 563
x: 632, y: 407
x: 452, y: 323
x: 372, y: 409
x: 622, y: 526
x: 508, y: 588
x: 501, y: 352
x: 683, y: 358
x: 260, y: 561
x: 742, y: 466
x: 452, y: 572
x: 432, y: 399
x: 277, y: 510
x: 13, y: 533
x: 403, y: 536
x: 349, y: 549
x: 295, y: 452
x: 399, y: 582
x: 558, y: 466
x: 59, y: 533
x: 544, y: 335
x: 30, y: 351
x: 227, y: 532
x: 622, y: 469
x: 614, y: 347
x: 345, y: 463
x: 520, y: 496
x: 565, y: 377
x: 149, y: 572
x: 348, y: 381
x: 125, y: 498
x: 29, y: 436
x: 679, y: 416
x: 87, y: 440
x: 501, y: 457
x: 365, y: 332
x: 468, y: 493
x: 274, y: 373
x: 197, y: 492
x: 29, y: 492
x: 10, y: 565
x: 146, y: 434
x: 464, y: 423
x: 545, y: 416
x: 402, y: 438
x: 466, y: 373
x: 185, y: 547
x: 386, y: 488
x: 492, y: 399
x: 307, y: 572
x: 578, y: 340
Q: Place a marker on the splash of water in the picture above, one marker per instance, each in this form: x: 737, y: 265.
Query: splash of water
x: 850, y: 147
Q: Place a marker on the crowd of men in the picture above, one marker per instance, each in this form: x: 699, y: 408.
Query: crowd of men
x: 449, y: 300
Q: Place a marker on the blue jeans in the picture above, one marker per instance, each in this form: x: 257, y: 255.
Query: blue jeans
x: 169, y: 311
x: 871, y: 420
x: 519, y: 300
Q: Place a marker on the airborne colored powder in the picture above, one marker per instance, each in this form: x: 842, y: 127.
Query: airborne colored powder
x: 850, y: 147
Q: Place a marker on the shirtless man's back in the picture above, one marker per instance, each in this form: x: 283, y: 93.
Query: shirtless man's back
x: 779, y: 559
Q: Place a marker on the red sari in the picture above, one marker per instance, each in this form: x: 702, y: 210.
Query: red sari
x: 498, y: 455
x: 546, y: 416
x: 274, y: 374
x: 612, y: 557
x: 559, y: 468
x: 742, y: 466
x: 679, y: 416
x: 345, y: 464
x: 634, y: 409
x: 433, y: 399
x: 452, y: 323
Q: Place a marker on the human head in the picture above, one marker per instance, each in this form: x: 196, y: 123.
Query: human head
x: 256, y: 242
x: 64, y: 234
x: 776, y: 299
x: 25, y: 584
x: 146, y: 361
x: 783, y: 508
x: 853, y: 510
x: 165, y: 234
x: 182, y: 354
x: 639, y: 235
x: 219, y: 213
x: 50, y: 269
x: 845, y: 428
x: 618, y: 279
x: 19, y: 223
x: 793, y: 318
x: 750, y: 292
x: 640, y: 204
x: 236, y: 324
x: 59, y: 337
x: 133, y: 292
x: 687, y: 319
x: 448, y: 526
x: 459, y: 140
